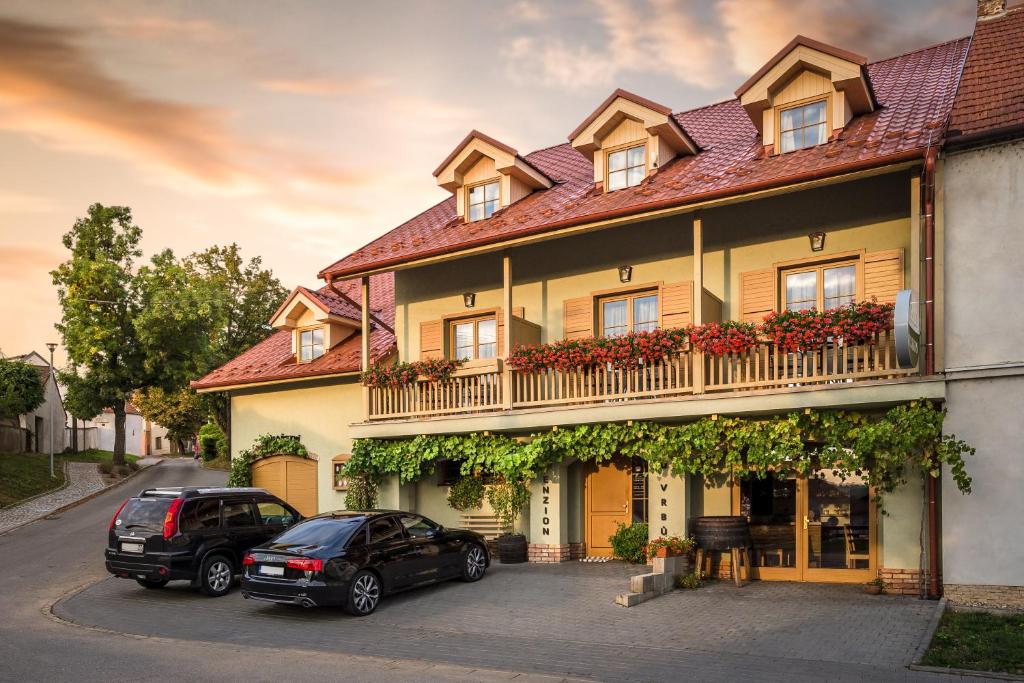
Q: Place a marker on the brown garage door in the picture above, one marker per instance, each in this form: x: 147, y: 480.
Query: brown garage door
x: 290, y: 478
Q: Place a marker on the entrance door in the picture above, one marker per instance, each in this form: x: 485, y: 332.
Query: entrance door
x: 816, y: 528
x: 607, y: 494
x: 290, y: 478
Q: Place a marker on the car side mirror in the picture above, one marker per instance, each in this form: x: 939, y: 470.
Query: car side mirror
x: 435, y: 533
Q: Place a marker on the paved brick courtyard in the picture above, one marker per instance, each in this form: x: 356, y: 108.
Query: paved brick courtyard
x: 560, y: 619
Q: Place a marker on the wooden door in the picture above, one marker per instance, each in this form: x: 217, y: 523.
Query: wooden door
x: 607, y: 494
x: 290, y: 478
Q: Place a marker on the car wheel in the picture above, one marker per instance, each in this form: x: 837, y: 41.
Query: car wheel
x: 146, y: 583
x: 363, y: 594
x: 216, y: 575
x: 474, y: 564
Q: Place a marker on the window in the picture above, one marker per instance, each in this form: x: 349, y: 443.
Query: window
x: 238, y: 513
x: 821, y: 287
x: 384, y: 530
x: 629, y: 313
x: 484, y: 200
x: 472, y: 339
x: 417, y: 527
x: 159, y: 443
x: 626, y: 167
x: 802, y: 126
x: 202, y: 514
x: 311, y: 344
x: 274, y: 513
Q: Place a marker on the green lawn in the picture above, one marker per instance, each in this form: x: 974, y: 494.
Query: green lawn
x: 23, y: 475
x: 979, y: 641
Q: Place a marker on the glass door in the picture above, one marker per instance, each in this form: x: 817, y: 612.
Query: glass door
x: 771, y: 505
x: 839, y: 528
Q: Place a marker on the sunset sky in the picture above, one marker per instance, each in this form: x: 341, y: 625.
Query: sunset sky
x: 302, y: 130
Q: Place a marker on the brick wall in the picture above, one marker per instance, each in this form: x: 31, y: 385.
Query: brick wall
x: 985, y: 596
x: 577, y: 551
x: 903, y: 581
x: 538, y: 552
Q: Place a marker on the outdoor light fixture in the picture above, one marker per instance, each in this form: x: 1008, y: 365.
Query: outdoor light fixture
x: 469, y: 298
x: 625, y: 273
x: 817, y: 241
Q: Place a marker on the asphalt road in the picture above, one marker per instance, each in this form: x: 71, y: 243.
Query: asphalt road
x: 45, y: 560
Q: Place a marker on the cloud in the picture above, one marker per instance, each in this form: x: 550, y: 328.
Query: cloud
x: 20, y: 202
x: 654, y: 36
x: 162, y: 28
x: 527, y: 11
x: 19, y: 262
x: 757, y: 29
x: 321, y: 87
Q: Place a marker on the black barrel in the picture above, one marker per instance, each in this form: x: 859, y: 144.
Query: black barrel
x: 512, y: 548
x: 721, y: 533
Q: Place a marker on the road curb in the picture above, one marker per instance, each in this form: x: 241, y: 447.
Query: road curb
x: 81, y: 500
x: 929, y: 633
x: 970, y: 673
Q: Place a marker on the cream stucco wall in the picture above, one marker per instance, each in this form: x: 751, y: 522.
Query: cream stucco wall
x: 318, y: 412
x: 737, y: 238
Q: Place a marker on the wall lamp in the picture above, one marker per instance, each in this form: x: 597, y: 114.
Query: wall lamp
x: 625, y: 273
x: 817, y: 241
x: 469, y: 298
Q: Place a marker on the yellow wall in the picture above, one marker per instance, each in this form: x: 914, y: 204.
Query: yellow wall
x: 737, y: 238
x: 318, y: 412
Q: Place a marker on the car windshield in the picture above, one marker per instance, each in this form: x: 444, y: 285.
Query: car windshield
x: 144, y: 513
x: 325, y: 531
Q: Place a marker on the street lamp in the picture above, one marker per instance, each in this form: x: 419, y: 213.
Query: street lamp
x: 51, y: 346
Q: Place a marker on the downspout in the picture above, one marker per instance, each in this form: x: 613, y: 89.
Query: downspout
x: 353, y: 302
x: 934, y: 589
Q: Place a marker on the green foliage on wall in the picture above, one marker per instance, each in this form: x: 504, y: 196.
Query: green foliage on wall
x: 264, y: 446
x: 466, y: 494
x: 878, y: 447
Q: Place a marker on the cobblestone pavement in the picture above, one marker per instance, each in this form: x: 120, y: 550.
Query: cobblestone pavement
x: 561, y: 620
x: 83, y: 478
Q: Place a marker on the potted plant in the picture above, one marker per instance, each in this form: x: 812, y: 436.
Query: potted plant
x: 874, y: 586
x: 508, y: 498
x: 669, y: 546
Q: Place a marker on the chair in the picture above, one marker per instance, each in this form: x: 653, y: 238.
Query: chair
x: 852, y: 554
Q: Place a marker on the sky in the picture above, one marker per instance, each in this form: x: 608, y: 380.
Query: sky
x: 303, y: 130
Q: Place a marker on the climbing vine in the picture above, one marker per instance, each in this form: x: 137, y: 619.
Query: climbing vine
x: 264, y: 446
x: 847, y: 443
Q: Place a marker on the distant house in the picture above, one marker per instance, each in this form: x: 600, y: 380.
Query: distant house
x: 141, y: 436
x: 32, y: 432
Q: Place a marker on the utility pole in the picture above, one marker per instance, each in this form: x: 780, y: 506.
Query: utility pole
x: 51, y: 346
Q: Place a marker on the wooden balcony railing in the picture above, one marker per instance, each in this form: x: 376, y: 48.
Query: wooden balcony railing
x: 489, y: 387
x: 472, y: 389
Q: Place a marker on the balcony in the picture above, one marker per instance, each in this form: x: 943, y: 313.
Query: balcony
x: 488, y: 387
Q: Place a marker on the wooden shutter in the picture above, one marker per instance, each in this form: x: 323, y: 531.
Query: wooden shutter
x: 517, y: 312
x: 431, y: 340
x: 578, y: 317
x: 757, y: 294
x: 883, y: 275
x: 677, y: 304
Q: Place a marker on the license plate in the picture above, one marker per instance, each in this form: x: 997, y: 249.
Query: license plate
x: 132, y: 548
x: 271, y: 571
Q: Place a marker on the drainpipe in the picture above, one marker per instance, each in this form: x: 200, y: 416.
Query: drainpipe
x: 353, y: 302
x: 934, y: 589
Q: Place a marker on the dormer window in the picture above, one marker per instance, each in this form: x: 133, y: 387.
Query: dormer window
x: 484, y: 200
x: 311, y: 344
x: 803, y: 126
x: 627, y: 167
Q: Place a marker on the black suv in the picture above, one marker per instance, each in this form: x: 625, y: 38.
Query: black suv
x: 192, y: 534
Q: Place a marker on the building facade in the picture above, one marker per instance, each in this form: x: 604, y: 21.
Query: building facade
x: 812, y: 189
x: 32, y: 431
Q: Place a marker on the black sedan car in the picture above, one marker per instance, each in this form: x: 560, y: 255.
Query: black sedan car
x: 352, y: 559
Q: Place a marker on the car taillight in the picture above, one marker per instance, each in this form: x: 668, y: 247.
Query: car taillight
x: 305, y: 564
x: 171, y: 518
x: 248, y: 559
x: 117, y: 514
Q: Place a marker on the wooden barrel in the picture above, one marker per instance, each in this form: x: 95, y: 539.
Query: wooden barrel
x: 721, y: 533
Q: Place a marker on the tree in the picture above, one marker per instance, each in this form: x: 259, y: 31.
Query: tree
x: 21, y: 390
x: 81, y: 400
x: 246, y: 296
x: 181, y: 412
x: 95, y: 288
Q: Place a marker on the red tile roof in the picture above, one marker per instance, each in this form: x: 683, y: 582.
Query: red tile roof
x: 273, y: 358
x: 806, y: 42
x: 914, y: 91
x: 990, y: 99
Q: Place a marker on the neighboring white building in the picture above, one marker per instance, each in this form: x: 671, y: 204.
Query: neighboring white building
x: 36, y: 426
x: 141, y: 437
